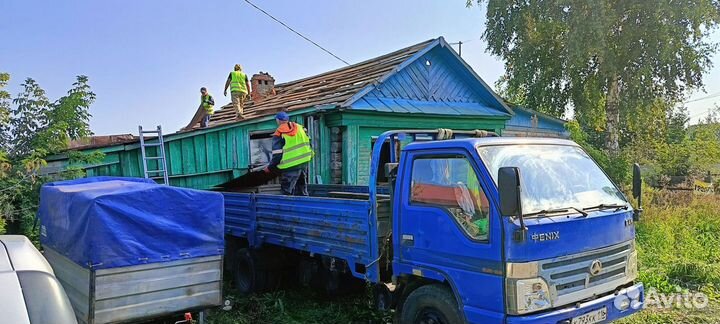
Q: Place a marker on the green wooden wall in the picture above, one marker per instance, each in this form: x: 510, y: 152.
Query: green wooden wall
x: 200, y: 159
x: 205, y: 158
x: 361, y: 127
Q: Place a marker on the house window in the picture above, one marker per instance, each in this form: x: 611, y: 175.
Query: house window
x: 260, y: 148
x: 450, y: 182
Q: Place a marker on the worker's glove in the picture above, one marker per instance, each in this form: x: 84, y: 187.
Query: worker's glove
x: 266, y: 170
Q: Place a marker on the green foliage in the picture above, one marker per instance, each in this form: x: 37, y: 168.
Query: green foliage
x: 607, y: 60
x: 33, y: 129
x: 4, y: 111
x: 70, y: 114
x: 28, y: 118
x: 704, y: 145
x: 677, y: 243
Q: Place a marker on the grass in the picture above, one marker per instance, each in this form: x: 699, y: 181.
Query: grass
x: 679, y: 251
x: 298, y: 306
x: 678, y: 242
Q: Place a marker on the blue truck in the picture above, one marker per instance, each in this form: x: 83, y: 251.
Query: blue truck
x: 455, y: 227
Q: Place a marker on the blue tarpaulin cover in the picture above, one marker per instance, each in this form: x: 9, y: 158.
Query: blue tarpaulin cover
x: 108, y: 222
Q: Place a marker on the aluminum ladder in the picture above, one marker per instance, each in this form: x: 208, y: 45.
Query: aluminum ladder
x: 161, y: 161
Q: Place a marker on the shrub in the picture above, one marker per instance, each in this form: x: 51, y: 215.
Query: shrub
x: 678, y: 242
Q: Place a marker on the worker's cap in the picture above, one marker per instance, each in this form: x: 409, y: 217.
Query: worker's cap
x: 282, y: 116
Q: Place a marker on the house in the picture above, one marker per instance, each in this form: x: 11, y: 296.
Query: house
x: 423, y: 86
x: 530, y: 123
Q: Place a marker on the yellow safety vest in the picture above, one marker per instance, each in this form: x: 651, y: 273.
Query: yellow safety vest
x: 238, y: 81
x: 296, y: 150
x: 205, y: 101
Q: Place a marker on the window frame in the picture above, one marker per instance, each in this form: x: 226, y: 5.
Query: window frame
x: 446, y: 210
x: 257, y: 135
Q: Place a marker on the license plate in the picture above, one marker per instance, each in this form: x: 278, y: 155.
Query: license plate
x: 591, y: 317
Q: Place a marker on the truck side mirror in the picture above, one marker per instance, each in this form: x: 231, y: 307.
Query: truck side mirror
x: 637, y: 182
x: 509, y: 191
x: 637, y: 190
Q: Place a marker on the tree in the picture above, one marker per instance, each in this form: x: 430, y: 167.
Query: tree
x: 28, y: 118
x: 606, y: 59
x: 36, y: 128
x: 4, y: 113
x: 66, y: 119
x: 73, y: 109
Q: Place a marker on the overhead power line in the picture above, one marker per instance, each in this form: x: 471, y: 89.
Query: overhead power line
x: 716, y: 94
x: 296, y: 32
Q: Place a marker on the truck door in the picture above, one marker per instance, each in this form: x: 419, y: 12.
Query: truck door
x: 449, y: 226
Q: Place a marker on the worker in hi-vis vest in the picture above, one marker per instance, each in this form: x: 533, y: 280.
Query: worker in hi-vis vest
x: 291, y: 154
x: 239, y: 89
x: 207, y: 102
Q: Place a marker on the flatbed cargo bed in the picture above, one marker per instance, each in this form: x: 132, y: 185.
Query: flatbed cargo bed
x: 335, y: 220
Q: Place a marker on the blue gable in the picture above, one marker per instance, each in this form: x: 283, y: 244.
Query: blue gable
x: 433, y: 81
x: 531, y: 119
x: 527, y: 122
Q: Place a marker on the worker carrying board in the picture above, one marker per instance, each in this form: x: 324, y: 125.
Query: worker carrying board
x: 291, y: 154
x: 207, y: 102
x: 239, y: 86
x: 204, y: 111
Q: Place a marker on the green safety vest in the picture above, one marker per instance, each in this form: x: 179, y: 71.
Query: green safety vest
x: 238, y: 81
x: 296, y: 150
x: 205, y: 101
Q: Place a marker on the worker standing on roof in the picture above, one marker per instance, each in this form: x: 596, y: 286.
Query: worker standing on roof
x: 290, y: 155
x: 239, y: 88
x: 207, y: 102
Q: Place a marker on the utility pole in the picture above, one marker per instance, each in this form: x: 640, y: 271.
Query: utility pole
x: 459, y: 47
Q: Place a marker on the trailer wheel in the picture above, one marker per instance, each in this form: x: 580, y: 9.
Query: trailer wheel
x: 431, y: 304
x: 248, y: 277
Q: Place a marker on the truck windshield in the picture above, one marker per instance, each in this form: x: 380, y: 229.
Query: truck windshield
x: 553, y: 176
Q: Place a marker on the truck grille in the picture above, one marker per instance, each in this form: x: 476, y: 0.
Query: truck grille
x: 572, y: 273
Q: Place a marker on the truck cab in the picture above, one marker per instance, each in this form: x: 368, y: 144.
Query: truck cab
x: 510, y: 230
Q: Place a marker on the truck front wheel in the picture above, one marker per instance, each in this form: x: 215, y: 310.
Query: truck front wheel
x: 431, y: 304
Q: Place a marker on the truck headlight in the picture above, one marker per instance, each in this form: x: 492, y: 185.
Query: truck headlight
x: 632, y: 266
x: 528, y: 295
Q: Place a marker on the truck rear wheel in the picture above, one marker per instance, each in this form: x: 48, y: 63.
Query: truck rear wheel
x: 431, y: 304
x: 248, y: 277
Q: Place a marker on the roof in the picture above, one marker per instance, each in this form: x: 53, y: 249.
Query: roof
x: 540, y: 114
x: 102, y: 141
x: 329, y: 88
x: 346, y: 86
x: 524, y: 118
x: 488, y: 141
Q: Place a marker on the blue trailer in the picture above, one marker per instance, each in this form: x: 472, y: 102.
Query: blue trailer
x: 468, y: 228
x: 130, y: 250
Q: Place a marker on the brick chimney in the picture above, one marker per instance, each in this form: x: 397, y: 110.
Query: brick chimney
x: 263, y: 86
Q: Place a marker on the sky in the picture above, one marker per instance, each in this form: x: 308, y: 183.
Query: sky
x: 147, y: 60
